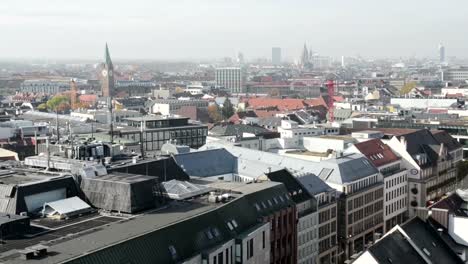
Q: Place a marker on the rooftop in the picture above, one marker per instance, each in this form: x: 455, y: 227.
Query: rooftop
x: 83, y: 237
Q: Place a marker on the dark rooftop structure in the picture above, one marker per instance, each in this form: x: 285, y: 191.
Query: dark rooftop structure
x: 26, y: 191
x: 127, y: 193
x: 414, y: 242
x: 170, y: 235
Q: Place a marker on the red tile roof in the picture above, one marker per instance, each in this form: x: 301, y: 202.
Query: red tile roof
x: 88, y: 98
x: 316, y: 102
x: 266, y: 113
x: 377, y: 152
x: 280, y: 104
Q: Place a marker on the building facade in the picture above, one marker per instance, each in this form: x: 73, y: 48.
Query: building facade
x: 395, y: 178
x: 157, y: 131
x: 171, y: 106
x: 229, y: 78
x: 360, y: 201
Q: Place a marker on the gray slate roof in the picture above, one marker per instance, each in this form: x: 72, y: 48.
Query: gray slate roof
x: 346, y: 169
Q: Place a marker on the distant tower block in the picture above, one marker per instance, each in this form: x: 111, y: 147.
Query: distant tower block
x: 276, y: 56
x: 441, y: 53
x: 107, y: 73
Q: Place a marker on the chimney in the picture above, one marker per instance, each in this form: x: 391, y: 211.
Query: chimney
x: 403, y: 141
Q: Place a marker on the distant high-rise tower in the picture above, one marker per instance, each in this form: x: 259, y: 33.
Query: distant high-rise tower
x: 240, y: 58
x: 441, y: 53
x: 107, y: 73
x: 276, y: 56
x: 306, y: 58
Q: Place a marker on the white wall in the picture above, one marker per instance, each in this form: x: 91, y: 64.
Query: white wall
x: 458, y: 229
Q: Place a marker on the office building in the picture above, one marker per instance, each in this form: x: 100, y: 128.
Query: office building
x: 276, y: 56
x: 455, y: 74
x: 230, y: 78
x: 158, y: 130
x: 360, y: 201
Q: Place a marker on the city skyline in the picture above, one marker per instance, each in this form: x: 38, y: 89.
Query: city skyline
x: 159, y: 29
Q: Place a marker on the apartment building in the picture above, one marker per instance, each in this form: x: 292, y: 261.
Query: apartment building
x: 395, y: 178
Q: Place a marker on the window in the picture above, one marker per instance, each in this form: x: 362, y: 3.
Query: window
x: 215, y: 232
x: 234, y: 223
x: 250, y: 249
x: 230, y: 226
x: 208, y: 234
x: 263, y: 239
x: 220, y: 258
x: 173, y: 252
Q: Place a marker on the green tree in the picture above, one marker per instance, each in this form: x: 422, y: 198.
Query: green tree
x: 58, y: 103
x: 228, y: 109
x: 42, y: 107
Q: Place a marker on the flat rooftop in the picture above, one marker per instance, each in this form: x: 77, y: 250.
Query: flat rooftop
x: 69, y: 239
x: 154, y: 118
x: 19, y: 177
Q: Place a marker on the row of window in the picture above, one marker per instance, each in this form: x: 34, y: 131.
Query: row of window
x: 269, y: 204
x: 276, y: 222
x: 390, y: 169
x: 395, y: 206
x: 306, y: 237
x: 362, y: 183
x: 327, y: 243
x: 402, y: 190
x: 327, y: 229
x: 327, y: 215
x: 362, y: 226
x: 395, y: 181
x: 364, y: 212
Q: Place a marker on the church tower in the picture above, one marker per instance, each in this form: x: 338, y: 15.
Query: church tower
x: 107, y: 74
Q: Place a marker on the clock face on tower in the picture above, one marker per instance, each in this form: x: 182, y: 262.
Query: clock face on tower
x: 104, y: 73
x: 110, y: 73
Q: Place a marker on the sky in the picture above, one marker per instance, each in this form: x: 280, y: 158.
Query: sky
x: 208, y: 29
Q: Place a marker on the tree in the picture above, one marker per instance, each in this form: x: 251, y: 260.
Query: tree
x: 42, y: 107
x: 63, y: 107
x: 274, y: 92
x: 228, y: 109
x: 407, y: 88
x: 214, y: 113
x: 59, y: 103
x: 179, y: 90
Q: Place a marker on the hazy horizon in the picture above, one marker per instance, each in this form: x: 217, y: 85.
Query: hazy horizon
x: 208, y: 29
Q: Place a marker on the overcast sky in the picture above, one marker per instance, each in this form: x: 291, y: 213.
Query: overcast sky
x: 195, y: 29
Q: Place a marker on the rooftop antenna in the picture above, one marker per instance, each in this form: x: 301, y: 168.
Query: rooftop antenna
x: 57, y: 125
x: 48, y: 153
x: 111, y: 121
